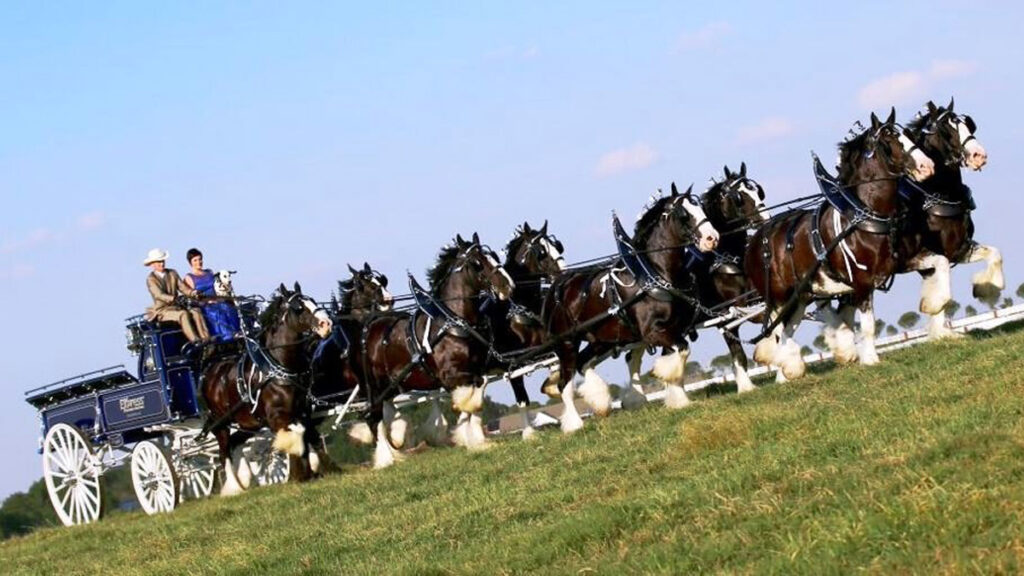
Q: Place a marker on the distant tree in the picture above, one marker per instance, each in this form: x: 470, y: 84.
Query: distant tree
x: 1020, y: 290
x: 891, y: 330
x: 970, y: 310
x: 1007, y: 302
x: 989, y: 299
x: 879, y: 325
x: 806, y: 351
x: 908, y: 320
x: 952, y: 307
x: 721, y: 363
x: 819, y: 342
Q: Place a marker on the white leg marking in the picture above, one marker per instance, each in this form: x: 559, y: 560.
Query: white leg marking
x: 476, y: 434
x: 595, y: 393
x: 383, y: 454
x: 869, y: 354
x: 529, y: 432
x: 361, y: 434
x: 743, y: 382
x: 571, y: 420
x: 397, y: 424
x: 435, y: 429
x: 244, y: 471
x: 788, y: 358
x: 231, y: 486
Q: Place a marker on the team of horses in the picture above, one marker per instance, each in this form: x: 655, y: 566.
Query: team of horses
x: 898, y: 205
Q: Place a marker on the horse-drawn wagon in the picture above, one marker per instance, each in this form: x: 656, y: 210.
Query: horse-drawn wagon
x: 153, y: 419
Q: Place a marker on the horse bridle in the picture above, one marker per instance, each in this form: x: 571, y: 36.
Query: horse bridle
x: 676, y: 204
x: 958, y: 157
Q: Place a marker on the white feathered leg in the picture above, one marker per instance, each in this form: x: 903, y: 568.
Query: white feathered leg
x: 594, y: 391
x: 869, y: 353
x: 383, y: 454
x: 435, y: 428
x: 670, y: 369
x: 571, y: 420
x: 989, y: 282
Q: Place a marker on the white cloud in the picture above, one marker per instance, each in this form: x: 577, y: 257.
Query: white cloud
x: 43, y: 236
x: 91, y: 220
x: 770, y: 128
x: 911, y: 87
x: 635, y: 157
x: 704, y: 37
x: 892, y: 90
x: 949, y: 69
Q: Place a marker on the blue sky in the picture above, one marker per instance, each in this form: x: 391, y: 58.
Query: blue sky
x: 286, y: 141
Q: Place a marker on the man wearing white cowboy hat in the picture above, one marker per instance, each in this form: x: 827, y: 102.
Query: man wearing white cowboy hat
x: 167, y: 288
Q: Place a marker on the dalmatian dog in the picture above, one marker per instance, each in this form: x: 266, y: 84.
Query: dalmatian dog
x: 222, y: 283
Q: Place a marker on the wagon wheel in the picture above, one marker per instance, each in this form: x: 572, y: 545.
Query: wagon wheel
x: 268, y: 465
x: 156, y: 485
x: 196, y: 476
x: 72, y: 475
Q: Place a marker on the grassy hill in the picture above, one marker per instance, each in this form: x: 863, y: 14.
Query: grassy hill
x: 913, y: 466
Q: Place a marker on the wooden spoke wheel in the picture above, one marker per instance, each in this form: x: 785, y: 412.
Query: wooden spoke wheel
x: 72, y: 474
x: 156, y: 485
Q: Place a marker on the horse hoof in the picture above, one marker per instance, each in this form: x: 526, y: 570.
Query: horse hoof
x: 530, y: 434
x: 571, y: 424
x: 675, y: 397
x: 793, y: 370
x: 986, y: 291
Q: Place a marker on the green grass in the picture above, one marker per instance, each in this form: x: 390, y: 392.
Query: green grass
x: 913, y: 466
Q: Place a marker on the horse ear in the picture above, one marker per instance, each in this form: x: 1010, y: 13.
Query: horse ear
x: 726, y: 170
x: 544, y: 228
x: 931, y: 107
x: 366, y: 267
x: 743, y: 169
x: 351, y: 269
x: 875, y: 123
x: 950, y: 103
x: 298, y: 289
x: 282, y: 290
x: 459, y: 240
x: 892, y: 116
x: 675, y: 191
x: 689, y: 191
x: 476, y: 238
x: 526, y: 227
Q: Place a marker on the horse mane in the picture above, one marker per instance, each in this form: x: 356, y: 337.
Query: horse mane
x: 849, y: 150
x: 519, y: 237
x: 443, y: 267
x: 648, y: 220
x: 271, y: 312
x: 344, y: 297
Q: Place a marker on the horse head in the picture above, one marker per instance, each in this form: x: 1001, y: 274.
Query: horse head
x: 293, y: 313
x: 685, y: 210
x: 366, y: 291
x: 949, y: 136
x: 222, y: 283
x: 882, y: 151
x: 536, y: 252
x: 735, y: 201
x: 469, y: 266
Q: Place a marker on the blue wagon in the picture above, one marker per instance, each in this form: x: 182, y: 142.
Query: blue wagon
x: 98, y: 420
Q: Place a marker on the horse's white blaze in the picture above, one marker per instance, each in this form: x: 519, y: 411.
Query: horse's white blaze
x: 555, y: 254
x: 708, y: 235
x: 289, y: 441
x: 505, y: 293
x: 868, y: 352
x: 571, y: 420
x: 924, y: 167
x: 743, y: 382
x: 595, y: 393
x: 936, y: 289
x: 975, y: 155
x: 324, y: 323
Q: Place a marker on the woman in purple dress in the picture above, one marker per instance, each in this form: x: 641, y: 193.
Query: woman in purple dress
x: 221, y: 317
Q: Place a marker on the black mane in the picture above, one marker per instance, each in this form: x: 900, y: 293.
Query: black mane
x: 648, y: 221
x: 517, y: 241
x: 346, y: 288
x: 849, y: 150
x: 445, y: 261
x: 271, y: 313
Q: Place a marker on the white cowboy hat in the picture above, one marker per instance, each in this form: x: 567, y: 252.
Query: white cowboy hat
x: 155, y: 255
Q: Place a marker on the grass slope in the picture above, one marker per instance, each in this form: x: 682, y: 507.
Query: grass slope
x: 913, y: 466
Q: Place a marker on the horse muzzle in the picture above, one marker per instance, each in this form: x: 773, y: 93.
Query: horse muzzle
x: 976, y: 157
